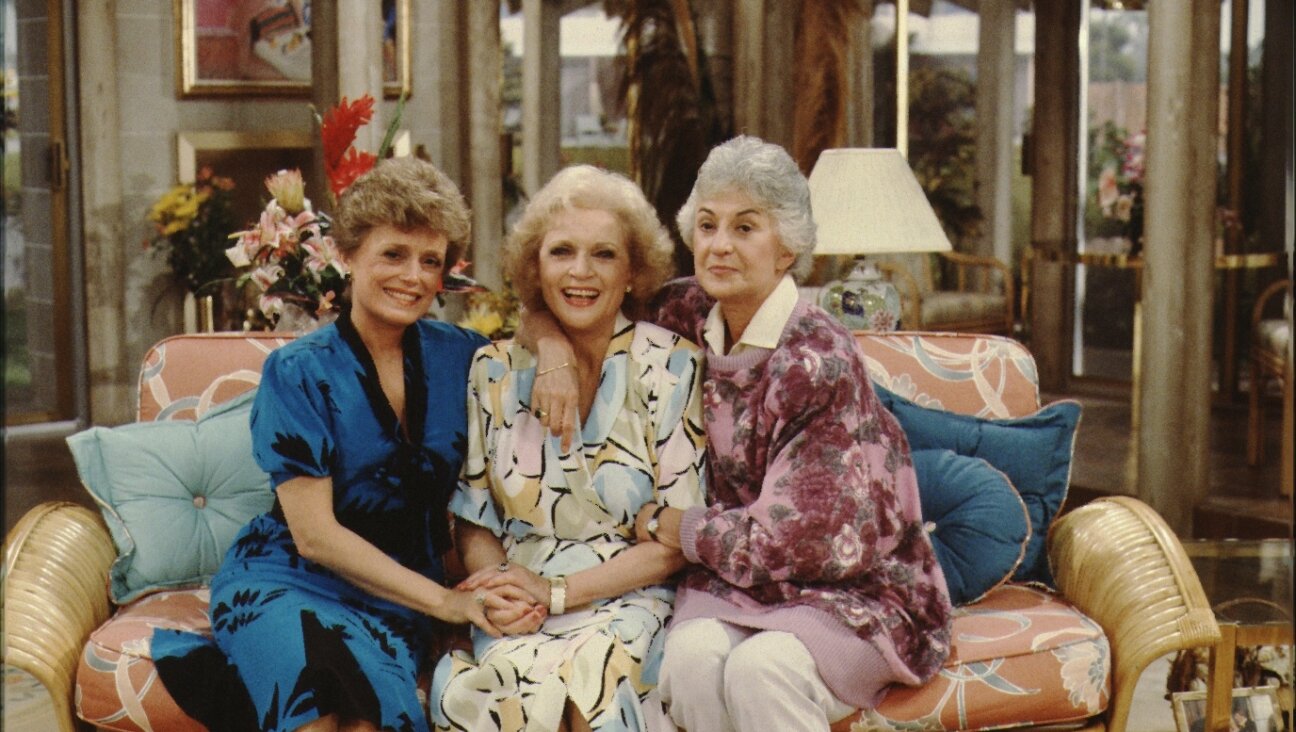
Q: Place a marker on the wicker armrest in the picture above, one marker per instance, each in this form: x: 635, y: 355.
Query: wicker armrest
x: 55, y: 579
x: 1120, y: 564
x: 963, y: 262
x: 1258, y: 310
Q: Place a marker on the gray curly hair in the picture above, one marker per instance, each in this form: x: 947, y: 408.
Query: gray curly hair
x: 765, y: 172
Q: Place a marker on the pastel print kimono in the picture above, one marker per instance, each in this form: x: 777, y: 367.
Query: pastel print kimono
x: 561, y: 513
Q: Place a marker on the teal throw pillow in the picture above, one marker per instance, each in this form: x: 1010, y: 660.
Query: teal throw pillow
x: 977, y: 523
x: 174, y: 494
x: 1033, y: 451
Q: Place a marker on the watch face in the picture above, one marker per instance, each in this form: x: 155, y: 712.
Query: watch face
x: 651, y: 526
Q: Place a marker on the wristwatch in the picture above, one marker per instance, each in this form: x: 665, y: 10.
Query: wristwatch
x: 557, y: 595
x: 653, y: 523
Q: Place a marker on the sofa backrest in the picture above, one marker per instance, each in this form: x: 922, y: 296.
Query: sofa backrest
x: 981, y: 375
x: 185, y: 375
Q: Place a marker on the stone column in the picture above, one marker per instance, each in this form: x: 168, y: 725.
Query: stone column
x: 541, y: 92
x: 1183, y: 109
x: 1054, y: 153
x: 111, y: 372
x: 359, y: 63
x: 996, y: 56
x: 435, y: 112
x: 764, y: 51
x: 485, y: 188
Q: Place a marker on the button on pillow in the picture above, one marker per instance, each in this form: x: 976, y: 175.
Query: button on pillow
x: 977, y: 523
x: 174, y: 494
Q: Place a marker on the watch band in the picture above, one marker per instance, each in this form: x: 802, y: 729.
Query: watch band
x: 557, y: 595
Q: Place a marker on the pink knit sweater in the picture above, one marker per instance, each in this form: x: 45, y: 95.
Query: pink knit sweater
x: 813, y: 525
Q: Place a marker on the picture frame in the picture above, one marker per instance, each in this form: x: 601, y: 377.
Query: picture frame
x: 262, y: 47
x: 1260, y: 710
x: 246, y: 158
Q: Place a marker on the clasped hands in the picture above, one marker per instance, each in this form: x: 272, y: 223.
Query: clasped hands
x: 515, y: 599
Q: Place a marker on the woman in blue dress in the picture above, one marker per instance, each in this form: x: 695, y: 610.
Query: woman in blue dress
x: 324, y: 609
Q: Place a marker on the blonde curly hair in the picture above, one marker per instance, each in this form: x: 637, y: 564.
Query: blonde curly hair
x: 586, y: 187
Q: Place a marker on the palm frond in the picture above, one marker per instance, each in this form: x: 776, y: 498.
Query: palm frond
x: 823, y: 37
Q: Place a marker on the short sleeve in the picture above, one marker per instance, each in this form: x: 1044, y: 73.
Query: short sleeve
x: 291, y: 427
x: 472, y: 500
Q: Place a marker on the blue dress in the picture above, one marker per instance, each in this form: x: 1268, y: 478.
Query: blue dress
x: 291, y: 641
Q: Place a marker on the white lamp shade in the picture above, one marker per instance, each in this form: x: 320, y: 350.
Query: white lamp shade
x: 867, y: 201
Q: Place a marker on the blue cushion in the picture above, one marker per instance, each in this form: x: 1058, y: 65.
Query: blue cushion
x: 174, y: 494
x: 976, y: 520
x: 1033, y: 451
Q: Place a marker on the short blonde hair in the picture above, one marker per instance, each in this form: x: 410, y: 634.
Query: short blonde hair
x: 408, y: 194
x: 586, y: 187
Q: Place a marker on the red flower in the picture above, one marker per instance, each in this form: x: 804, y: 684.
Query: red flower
x: 342, y: 163
x: 350, y: 167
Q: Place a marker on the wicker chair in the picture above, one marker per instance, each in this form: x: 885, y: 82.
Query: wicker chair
x: 1121, y: 573
x: 1270, y: 354
x: 980, y: 301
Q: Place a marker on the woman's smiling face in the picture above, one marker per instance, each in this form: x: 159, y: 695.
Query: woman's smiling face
x: 395, y: 275
x: 737, y: 252
x: 584, y: 270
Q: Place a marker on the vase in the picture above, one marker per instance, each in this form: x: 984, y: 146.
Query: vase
x: 299, y: 321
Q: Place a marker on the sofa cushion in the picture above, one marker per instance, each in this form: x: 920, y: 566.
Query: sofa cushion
x: 173, y: 494
x: 1033, y: 451
x: 117, y: 686
x: 977, y: 523
x: 1021, y: 657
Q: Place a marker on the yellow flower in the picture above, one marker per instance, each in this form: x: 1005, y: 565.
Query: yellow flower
x: 482, y: 319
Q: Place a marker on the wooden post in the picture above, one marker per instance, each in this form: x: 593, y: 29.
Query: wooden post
x: 1183, y: 104
x: 324, y: 88
x: 1236, y: 144
x: 541, y: 92
x: 996, y: 66
x: 859, y: 82
x: 485, y: 186
x: 1055, y: 146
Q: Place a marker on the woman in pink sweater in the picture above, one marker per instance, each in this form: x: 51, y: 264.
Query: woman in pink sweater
x: 813, y: 586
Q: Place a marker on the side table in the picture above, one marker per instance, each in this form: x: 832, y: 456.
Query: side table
x: 1249, y: 583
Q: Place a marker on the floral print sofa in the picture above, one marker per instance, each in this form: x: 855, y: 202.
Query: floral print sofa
x: 1023, y: 655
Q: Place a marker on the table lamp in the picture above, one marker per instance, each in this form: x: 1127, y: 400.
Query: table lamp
x: 867, y: 201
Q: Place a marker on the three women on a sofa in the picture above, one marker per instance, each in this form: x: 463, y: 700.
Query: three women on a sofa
x: 813, y: 539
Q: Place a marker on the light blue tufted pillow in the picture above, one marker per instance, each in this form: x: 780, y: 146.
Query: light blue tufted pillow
x: 174, y: 494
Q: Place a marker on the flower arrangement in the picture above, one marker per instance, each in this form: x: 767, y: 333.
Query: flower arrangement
x: 1120, y: 182
x: 292, y: 258
x: 191, y: 222
x: 288, y: 254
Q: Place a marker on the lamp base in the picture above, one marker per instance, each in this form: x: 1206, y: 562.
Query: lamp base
x: 863, y: 301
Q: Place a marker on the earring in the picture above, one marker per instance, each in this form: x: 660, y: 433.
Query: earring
x: 628, y: 288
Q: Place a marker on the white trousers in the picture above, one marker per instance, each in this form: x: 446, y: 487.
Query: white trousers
x: 718, y: 677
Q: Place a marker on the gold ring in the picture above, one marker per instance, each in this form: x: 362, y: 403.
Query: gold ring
x: 480, y: 599
x: 540, y: 413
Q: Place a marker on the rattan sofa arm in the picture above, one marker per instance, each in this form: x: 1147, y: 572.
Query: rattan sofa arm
x: 56, y: 592
x: 1120, y: 564
x: 963, y: 261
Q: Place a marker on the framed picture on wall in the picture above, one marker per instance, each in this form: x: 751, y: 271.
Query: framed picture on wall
x: 233, y: 47
x: 246, y: 158
x: 1254, y: 709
